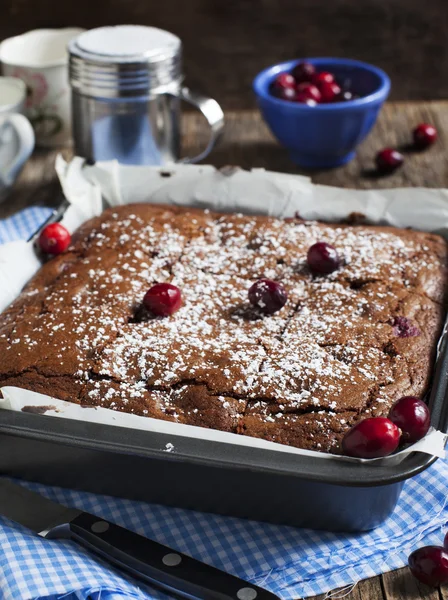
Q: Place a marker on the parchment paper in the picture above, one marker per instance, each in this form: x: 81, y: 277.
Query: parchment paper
x: 228, y: 190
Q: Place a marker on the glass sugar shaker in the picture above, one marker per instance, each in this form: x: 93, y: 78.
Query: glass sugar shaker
x: 127, y: 84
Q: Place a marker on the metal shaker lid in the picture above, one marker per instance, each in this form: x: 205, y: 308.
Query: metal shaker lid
x: 125, y: 61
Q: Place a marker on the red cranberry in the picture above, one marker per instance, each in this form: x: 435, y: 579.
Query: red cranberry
x: 404, y: 328
x: 371, y: 438
x: 267, y: 295
x: 54, y: 239
x: 323, y: 77
x: 284, y: 80
x: 285, y: 93
x: 303, y: 71
x: 424, y: 135
x: 322, y: 258
x: 445, y: 541
x: 430, y: 565
x: 412, y: 416
x: 329, y: 90
x: 310, y: 90
x: 163, y: 299
x: 388, y: 160
x: 305, y: 99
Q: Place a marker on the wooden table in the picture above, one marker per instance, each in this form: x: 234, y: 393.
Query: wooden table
x: 248, y: 143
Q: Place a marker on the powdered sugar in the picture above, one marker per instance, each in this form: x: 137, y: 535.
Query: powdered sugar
x: 323, y: 354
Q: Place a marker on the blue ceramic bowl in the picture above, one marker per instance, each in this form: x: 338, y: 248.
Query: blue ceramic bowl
x: 325, y: 135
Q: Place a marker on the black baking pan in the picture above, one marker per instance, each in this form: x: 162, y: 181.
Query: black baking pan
x: 305, y: 491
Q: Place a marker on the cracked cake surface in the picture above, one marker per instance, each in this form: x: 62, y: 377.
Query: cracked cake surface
x: 344, y: 347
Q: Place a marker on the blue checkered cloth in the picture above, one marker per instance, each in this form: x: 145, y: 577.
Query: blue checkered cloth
x: 290, y: 562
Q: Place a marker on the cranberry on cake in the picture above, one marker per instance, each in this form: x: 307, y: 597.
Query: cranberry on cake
x: 337, y: 335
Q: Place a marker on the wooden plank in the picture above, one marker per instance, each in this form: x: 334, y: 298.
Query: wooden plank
x: 395, y: 585
x: 247, y: 142
x: 36, y: 185
x: 368, y: 589
x: 402, y: 585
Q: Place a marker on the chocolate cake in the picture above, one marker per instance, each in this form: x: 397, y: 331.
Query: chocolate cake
x: 345, y: 345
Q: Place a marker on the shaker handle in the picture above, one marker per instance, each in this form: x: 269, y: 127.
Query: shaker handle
x: 212, y: 112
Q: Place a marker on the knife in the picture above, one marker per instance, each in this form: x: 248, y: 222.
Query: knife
x: 148, y: 560
x: 55, y: 217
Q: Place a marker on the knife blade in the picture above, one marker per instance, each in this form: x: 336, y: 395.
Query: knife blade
x: 146, y: 559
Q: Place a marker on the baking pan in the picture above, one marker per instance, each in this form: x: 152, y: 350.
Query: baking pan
x: 249, y: 482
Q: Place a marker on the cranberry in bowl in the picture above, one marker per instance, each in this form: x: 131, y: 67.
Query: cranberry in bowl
x: 325, y: 133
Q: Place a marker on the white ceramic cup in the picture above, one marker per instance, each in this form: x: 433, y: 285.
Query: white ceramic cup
x: 16, y: 133
x: 12, y: 95
x: 40, y: 59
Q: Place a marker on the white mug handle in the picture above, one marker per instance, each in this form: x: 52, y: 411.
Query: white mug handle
x: 17, y: 135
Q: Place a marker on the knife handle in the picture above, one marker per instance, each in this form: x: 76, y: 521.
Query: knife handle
x: 155, y: 563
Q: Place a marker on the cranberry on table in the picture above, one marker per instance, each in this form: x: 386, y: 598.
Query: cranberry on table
x: 284, y: 80
x: 54, y: 239
x: 323, y: 77
x: 322, y: 258
x: 303, y: 71
x: 371, y: 438
x: 412, y: 416
x: 430, y: 565
x: 163, y: 299
x: 267, y: 295
x: 424, y: 135
x: 388, y: 160
x: 329, y: 91
x: 309, y: 90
